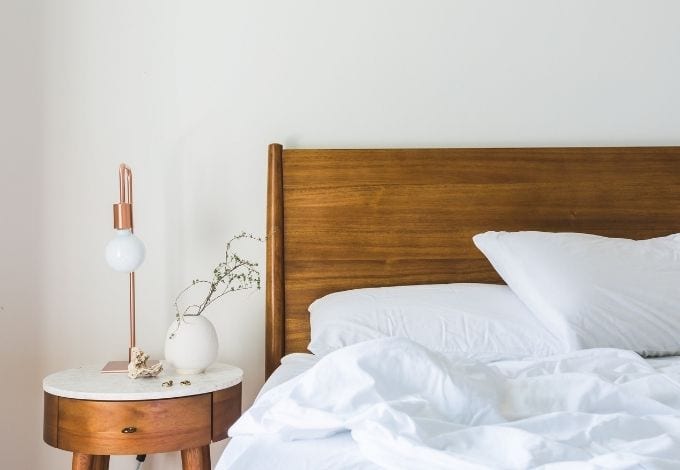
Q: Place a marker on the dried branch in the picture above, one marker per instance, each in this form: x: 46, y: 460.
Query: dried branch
x: 231, y: 275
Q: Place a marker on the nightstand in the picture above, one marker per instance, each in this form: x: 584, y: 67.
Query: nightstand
x: 96, y: 415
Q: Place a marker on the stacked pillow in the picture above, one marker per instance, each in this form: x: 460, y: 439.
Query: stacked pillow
x: 595, y: 291
x: 484, y: 321
x: 565, y: 291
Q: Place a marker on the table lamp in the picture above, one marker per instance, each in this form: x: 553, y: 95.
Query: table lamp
x: 125, y: 253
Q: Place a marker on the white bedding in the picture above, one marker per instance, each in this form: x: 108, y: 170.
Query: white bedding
x: 391, y: 403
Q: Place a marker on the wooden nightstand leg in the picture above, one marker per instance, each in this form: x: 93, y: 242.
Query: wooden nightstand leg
x: 89, y: 462
x: 82, y: 461
x: 100, y: 462
x: 197, y: 458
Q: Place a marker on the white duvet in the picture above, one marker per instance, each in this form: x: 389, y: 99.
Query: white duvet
x: 409, y: 408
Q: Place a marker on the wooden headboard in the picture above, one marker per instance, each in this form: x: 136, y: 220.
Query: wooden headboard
x: 343, y: 219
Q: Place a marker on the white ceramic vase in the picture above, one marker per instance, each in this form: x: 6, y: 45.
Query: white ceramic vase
x: 191, y: 345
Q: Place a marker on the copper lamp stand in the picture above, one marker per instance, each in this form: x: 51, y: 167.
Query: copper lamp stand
x: 122, y: 220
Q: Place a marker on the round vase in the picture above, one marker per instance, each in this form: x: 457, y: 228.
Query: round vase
x: 191, y: 344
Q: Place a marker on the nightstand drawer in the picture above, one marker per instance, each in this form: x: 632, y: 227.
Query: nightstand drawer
x: 134, y: 427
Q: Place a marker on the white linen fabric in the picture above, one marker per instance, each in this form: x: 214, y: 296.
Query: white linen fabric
x: 486, y: 321
x: 408, y: 408
x: 291, y: 366
x: 595, y: 291
x: 269, y: 452
x: 338, y: 452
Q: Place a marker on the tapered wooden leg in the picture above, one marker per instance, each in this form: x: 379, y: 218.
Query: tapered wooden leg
x: 100, y: 462
x: 82, y: 461
x: 197, y: 458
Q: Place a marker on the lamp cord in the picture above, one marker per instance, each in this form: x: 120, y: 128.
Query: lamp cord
x: 140, y: 459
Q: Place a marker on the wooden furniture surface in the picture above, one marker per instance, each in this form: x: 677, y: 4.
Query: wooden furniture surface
x: 95, y: 429
x: 344, y: 219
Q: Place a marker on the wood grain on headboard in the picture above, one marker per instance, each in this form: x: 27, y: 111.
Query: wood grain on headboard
x: 343, y: 219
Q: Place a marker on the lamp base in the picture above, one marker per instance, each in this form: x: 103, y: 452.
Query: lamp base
x: 115, y: 367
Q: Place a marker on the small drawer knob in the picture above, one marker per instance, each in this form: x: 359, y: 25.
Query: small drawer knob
x: 129, y: 430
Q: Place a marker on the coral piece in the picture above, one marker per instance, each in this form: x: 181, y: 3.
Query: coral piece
x: 139, y: 367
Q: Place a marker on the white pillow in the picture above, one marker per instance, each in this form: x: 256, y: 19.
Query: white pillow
x: 595, y: 291
x: 484, y: 321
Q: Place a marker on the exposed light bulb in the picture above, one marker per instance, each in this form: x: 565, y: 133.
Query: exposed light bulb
x: 125, y: 253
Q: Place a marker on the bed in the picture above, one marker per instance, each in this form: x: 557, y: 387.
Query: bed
x: 372, y: 218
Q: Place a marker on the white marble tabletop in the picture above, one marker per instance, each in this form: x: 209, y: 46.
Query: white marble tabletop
x: 88, y: 383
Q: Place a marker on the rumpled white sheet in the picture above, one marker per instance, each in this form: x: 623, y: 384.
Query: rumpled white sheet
x: 410, y: 408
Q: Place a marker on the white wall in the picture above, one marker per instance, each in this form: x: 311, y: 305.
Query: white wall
x: 21, y: 256
x: 190, y: 94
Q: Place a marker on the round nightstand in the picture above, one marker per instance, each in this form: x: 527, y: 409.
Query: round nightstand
x: 95, y: 415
